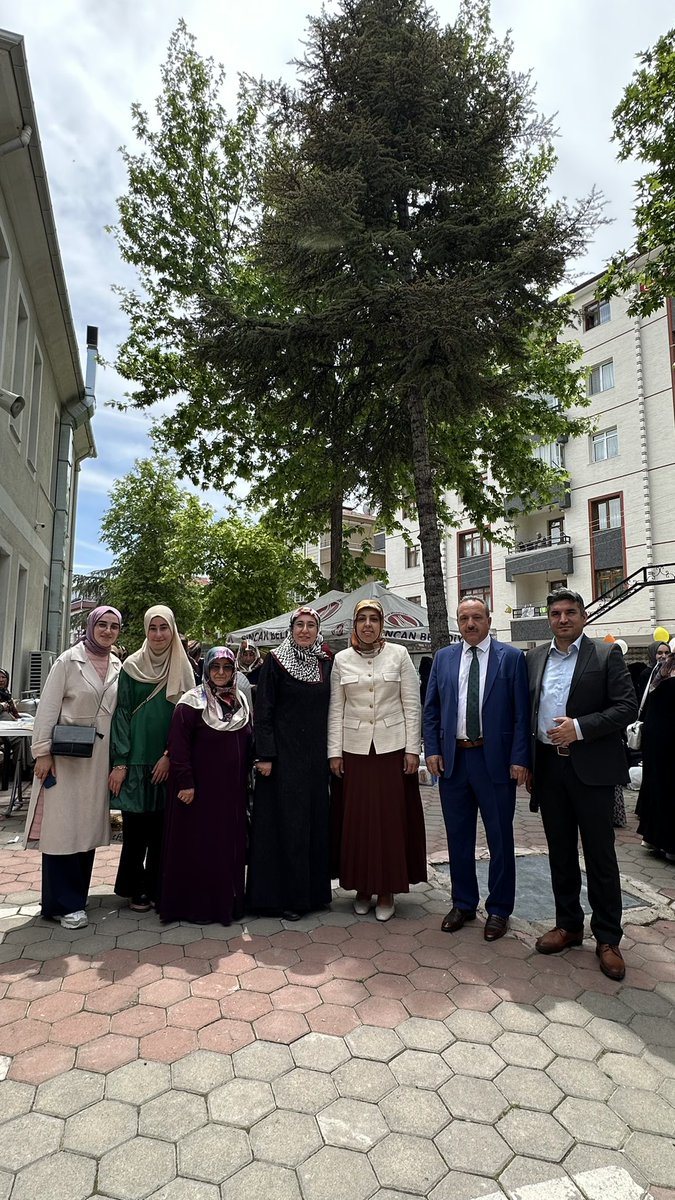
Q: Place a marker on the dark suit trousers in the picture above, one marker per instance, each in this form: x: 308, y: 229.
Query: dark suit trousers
x: 468, y: 790
x: 569, y: 809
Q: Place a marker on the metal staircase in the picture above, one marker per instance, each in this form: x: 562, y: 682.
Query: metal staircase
x: 642, y: 578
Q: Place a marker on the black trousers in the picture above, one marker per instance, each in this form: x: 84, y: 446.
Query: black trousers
x: 65, y: 882
x: 571, y: 810
x: 138, y: 870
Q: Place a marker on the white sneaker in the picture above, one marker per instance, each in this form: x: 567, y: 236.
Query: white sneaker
x: 384, y: 912
x: 75, y: 920
x: 361, y: 907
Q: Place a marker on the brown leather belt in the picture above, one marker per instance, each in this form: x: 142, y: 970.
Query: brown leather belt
x: 465, y: 744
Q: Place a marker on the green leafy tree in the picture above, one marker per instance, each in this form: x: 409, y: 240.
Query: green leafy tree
x: 644, y: 128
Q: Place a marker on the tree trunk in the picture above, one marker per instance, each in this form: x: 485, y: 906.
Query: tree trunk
x: 428, y: 520
x: 336, y: 548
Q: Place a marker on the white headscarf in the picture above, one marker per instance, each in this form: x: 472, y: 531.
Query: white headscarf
x: 171, y: 667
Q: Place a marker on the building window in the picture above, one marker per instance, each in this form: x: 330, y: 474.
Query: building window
x: 556, y: 530
x: 412, y: 556
x: 379, y: 542
x: 480, y: 593
x: 554, y: 584
x: 601, y: 378
x: 607, y: 579
x: 597, y: 313
x: 550, y: 453
x: 604, y: 445
x: 472, y: 544
x: 606, y: 514
x: 414, y: 599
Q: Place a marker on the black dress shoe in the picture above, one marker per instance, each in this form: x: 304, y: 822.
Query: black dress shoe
x: 289, y: 915
x: 495, y: 927
x: 456, y: 918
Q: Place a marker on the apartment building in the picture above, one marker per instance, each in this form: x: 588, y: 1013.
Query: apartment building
x: 41, y: 445
x: 611, y: 536
x: 361, y: 526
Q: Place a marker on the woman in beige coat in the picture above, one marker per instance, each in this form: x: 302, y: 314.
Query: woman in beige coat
x: 70, y: 816
x: 374, y: 746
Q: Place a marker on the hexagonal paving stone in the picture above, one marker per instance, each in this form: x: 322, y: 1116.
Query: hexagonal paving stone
x: 28, y: 1138
x: 138, y: 1081
x: 201, y: 1071
x: 563, y: 1012
x: 471, y: 1058
x: 260, y: 1179
x: 319, y: 1052
x: 187, y: 1189
x: 68, y: 1093
x: 304, y: 1091
x: 630, y: 1071
x: 592, y: 1122
x: 613, y: 1036
x: 419, y: 1033
x: 468, y: 1026
x: 335, y: 1174
x: 136, y: 1169
x: 241, y: 1102
x: 99, y: 1128
x: 535, y: 1134
x: 458, y: 1185
x: 61, y: 1176
x: 172, y: 1115
x: 213, y: 1153
x: 644, y: 1111
x: 519, y: 1018
x: 405, y: 1162
x: 364, y: 1080
x: 352, y: 1124
x: 262, y: 1060
x: 570, y: 1041
x: 16, y: 1099
x: 655, y: 1156
x: 473, y: 1099
x: 477, y: 1149
x: 579, y: 1078
x: 418, y: 1068
x: 523, y: 1050
x: 367, y: 1041
x: 654, y: 1030
x: 528, y: 1088
x: 415, y: 1111
x: 285, y: 1138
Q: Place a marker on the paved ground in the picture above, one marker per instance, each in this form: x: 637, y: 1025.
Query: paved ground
x: 336, y: 1058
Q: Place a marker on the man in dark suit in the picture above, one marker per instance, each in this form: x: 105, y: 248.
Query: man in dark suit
x: 581, y: 699
x: 476, y: 739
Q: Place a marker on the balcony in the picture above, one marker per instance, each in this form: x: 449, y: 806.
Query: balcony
x: 529, y: 623
x: 551, y: 555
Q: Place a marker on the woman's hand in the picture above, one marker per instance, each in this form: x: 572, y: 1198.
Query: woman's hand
x: 116, y: 779
x: 43, y: 765
x: 411, y: 764
x: 337, y: 766
x: 263, y: 768
x: 160, y: 771
x: 187, y: 795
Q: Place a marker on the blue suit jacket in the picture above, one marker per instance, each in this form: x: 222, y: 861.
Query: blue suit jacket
x: 505, y: 715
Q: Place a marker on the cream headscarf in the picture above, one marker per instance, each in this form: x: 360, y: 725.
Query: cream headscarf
x: 171, y: 667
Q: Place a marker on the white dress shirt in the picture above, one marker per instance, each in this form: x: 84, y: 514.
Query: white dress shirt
x: 555, y: 688
x: 483, y: 649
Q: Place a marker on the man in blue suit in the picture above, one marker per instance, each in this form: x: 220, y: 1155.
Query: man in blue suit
x: 477, y: 738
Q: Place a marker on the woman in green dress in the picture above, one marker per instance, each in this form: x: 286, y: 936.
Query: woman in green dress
x: 151, y: 682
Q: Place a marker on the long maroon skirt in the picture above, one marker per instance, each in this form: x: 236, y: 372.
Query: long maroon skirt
x: 382, y: 842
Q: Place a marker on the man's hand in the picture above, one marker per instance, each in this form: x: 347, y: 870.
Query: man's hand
x: 411, y: 764
x: 519, y: 774
x: 564, y: 731
x: 337, y: 766
x: 435, y: 764
x: 160, y: 772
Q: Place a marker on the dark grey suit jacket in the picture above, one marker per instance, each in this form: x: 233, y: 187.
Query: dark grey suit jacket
x: 602, y: 699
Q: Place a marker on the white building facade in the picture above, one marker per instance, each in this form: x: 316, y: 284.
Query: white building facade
x: 41, y: 447
x: 613, y: 528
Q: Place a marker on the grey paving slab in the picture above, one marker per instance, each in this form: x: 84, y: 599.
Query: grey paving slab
x: 352, y: 1124
x: 28, y: 1138
x: 644, y: 1111
x: 651, y: 1003
x: 262, y: 1181
x: 618, y: 1038
x: 285, y: 1138
x: 367, y: 1041
x: 420, y: 1033
x: 405, y: 1162
x: 570, y: 1041
x: 528, y: 1088
x: 304, y: 1091
x: 609, y: 1183
x: 213, y: 1153
x: 653, y: 1030
x: 61, y: 1176
x: 100, y: 1127
x: 629, y: 1071
x: 136, y: 1169
x: 578, y: 1077
x: 6, y: 1184
x: 473, y: 1099
x: 201, y: 1071
x: 535, y: 1134
x: 187, y: 1189
x: 667, y: 1090
x: 419, y: 1068
x: 172, y: 1115
x: 563, y: 1012
x: 543, y: 1180
x: 468, y: 1026
x: 364, y: 1080
x: 655, y: 1156
x: 335, y: 1174
x: 262, y: 1060
x: 15, y: 1099
x: 474, y: 1059
x: 473, y: 1148
x: 320, y: 1052
x: 458, y: 1185
x: 241, y: 1102
x: 416, y: 1111
x: 517, y: 1018
x: 523, y: 1050
x: 603, y: 1004
x: 593, y: 1122
x: 584, y: 1159
x: 138, y: 1081
x: 68, y: 1093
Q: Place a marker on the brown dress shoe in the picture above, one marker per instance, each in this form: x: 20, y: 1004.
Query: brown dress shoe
x: 558, y: 939
x: 611, y: 960
x: 456, y: 918
x: 495, y: 927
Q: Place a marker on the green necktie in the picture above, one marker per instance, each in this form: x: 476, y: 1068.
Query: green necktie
x: 473, y: 699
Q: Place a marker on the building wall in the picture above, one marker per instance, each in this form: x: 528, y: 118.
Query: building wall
x: 364, y: 529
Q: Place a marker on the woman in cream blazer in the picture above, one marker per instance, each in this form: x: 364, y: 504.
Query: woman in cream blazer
x: 373, y: 747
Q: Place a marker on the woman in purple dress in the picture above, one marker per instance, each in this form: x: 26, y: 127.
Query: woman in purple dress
x: 204, y: 851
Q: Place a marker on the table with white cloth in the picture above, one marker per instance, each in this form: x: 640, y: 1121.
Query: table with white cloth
x: 24, y: 731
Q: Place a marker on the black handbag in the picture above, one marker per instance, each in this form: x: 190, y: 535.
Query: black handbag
x: 73, y: 741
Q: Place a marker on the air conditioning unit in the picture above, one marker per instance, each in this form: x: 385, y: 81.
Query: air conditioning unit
x: 40, y: 663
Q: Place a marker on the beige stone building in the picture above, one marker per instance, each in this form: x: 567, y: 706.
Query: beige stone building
x: 362, y: 527
x: 42, y: 446
x: 612, y: 536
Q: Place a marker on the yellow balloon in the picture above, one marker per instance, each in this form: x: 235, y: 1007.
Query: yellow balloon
x: 661, y: 634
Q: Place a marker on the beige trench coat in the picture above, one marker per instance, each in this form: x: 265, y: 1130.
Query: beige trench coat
x: 76, y: 811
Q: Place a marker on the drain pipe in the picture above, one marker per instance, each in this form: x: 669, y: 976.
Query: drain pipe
x: 17, y: 143
x: 644, y: 462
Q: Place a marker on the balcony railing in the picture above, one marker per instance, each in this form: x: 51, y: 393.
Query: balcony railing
x: 529, y: 610
x: 542, y: 543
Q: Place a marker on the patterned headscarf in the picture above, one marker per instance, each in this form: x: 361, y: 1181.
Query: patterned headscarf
x: 248, y: 667
x: 222, y: 708
x: 302, y: 662
x: 364, y: 648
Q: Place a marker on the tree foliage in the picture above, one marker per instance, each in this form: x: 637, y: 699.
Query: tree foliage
x: 644, y: 128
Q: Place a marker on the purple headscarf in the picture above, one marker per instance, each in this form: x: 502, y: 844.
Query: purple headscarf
x: 90, y: 643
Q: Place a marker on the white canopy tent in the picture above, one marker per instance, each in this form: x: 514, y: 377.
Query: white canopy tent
x: 404, y: 621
